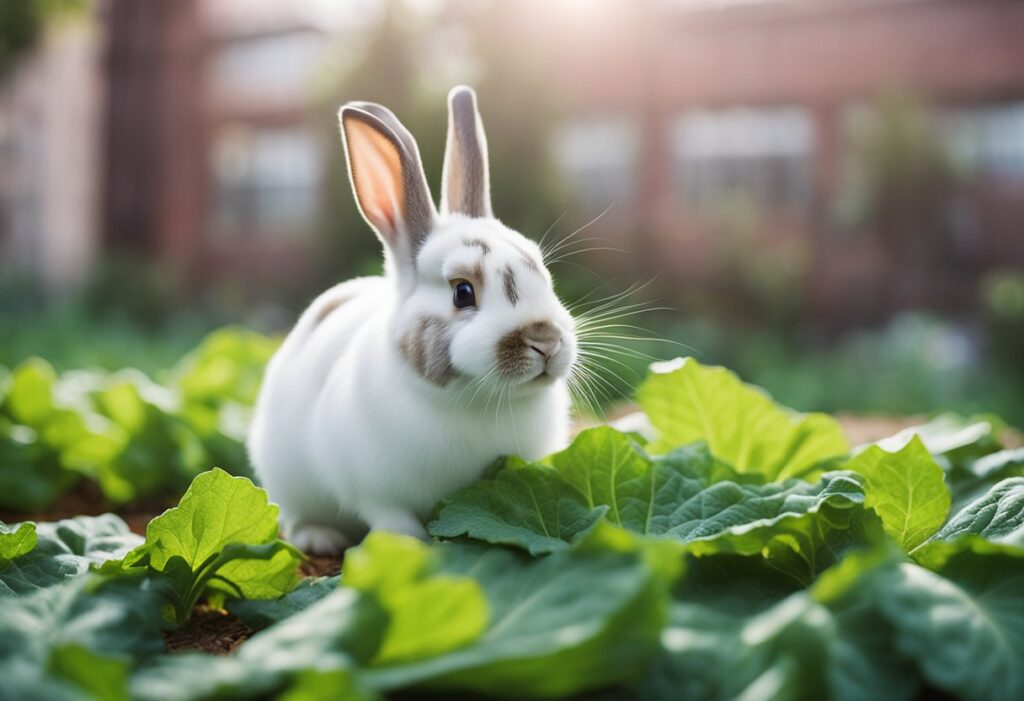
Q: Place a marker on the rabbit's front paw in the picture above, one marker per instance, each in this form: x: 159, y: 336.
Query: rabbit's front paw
x: 319, y: 540
x: 397, y: 521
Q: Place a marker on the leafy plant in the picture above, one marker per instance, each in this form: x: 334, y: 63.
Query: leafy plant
x: 737, y: 550
x: 134, y: 437
x: 221, y: 539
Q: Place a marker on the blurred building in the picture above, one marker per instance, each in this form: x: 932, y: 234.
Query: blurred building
x: 694, y: 112
x: 50, y: 107
x: 721, y: 131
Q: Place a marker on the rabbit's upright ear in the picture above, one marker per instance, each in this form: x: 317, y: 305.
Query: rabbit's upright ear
x: 387, y: 179
x: 466, y: 186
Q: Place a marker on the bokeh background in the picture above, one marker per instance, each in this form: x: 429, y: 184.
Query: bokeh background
x: 825, y: 195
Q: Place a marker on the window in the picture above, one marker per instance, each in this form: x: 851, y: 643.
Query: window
x: 761, y: 153
x: 272, y: 67
x: 988, y: 139
x: 599, y: 156
x: 267, y: 181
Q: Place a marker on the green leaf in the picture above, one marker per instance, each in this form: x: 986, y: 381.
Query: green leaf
x: 430, y: 613
x: 957, y: 439
x: 739, y: 630
x: 545, y: 509
x: 975, y: 477
x: 216, y: 511
x: 266, y: 612
x: 40, y: 632
x: 29, y: 397
x: 326, y: 685
x: 227, y: 365
x: 998, y: 517
x: 963, y: 626
x: 103, y: 678
x: 16, y: 541
x: 993, y: 523
x: 906, y: 489
x: 687, y: 402
x: 559, y: 625
x: 530, y: 506
x: 332, y: 636
x: 31, y: 476
x: 222, y: 536
x: 66, y: 549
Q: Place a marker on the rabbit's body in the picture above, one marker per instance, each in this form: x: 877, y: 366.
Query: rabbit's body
x: 322, y: 415
x: 391, y: 392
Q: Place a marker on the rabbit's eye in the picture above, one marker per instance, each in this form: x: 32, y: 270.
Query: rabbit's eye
x: 463, y: 295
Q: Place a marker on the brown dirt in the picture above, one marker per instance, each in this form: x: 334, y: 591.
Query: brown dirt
x: 320, y: 566
x: 219, y: 633
x: 211, y: 631
x: 868, y: 429
x: 86, y: 499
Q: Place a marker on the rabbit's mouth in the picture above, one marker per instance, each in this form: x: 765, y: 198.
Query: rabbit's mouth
x: 535, y: 354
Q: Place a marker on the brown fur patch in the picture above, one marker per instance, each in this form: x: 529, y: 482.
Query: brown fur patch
x: 514, y: 347
x: 528, y: 260
x: 426, y: 349
x: 508, y: 279
x: 479, y: 243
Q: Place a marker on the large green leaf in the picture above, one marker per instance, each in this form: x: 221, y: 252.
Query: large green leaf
x: 992, y: 523
x: 974, y: 478
x: 687, y: 402
x: 530, y: 506
x: 221, y: 536
x: 260, y: 613
x: 604, y: 473
x: 102, y: 678
x: 431, y: 613
x: 906, y: 489
x: 956, y: 439
x: 964, y: 625
x: 738, y: 630
x: 66, y: 549
x: 997, y: 517
x: 42, y: 635
x: 331, y: 637
x: 217, y: 510
x: 569, y: 622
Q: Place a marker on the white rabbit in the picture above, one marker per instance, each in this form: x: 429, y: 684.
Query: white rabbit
x: 393, y: 391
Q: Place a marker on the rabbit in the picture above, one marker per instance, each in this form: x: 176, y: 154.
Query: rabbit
x: 393, y: 391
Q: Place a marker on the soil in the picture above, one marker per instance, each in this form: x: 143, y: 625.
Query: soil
x: 211, y: 631
x: 219, y: 633
x: 86, y: 499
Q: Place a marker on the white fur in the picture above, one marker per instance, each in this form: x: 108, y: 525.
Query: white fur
x: 347, y: 435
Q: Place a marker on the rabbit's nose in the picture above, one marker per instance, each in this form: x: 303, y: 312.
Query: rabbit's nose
x: 543, y: 337
x: 546, y: 348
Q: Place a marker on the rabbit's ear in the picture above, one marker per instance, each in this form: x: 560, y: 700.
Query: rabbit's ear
x: 466, y: 186
x: 387, y: 179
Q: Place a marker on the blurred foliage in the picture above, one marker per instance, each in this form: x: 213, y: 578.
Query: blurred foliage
x: 134, y: 319
x: 902, y: 182
x: 390, y: 69
x: 130, y: 434
x: 761, y: 289
x: 22, y: 23
x: 917, y: 364
x: 1002, y: 293
x: 136, y: 435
